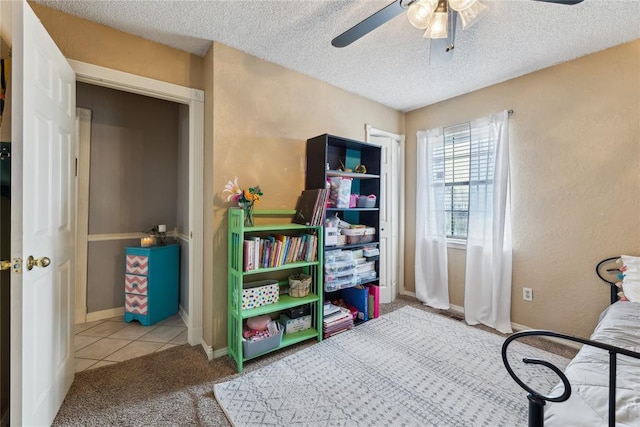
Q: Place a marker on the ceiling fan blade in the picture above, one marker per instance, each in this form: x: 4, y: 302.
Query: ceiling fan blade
x: 567, y: 2
x: 371, y: 23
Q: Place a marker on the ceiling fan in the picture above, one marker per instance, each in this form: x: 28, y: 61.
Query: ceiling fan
x: 437, y: 17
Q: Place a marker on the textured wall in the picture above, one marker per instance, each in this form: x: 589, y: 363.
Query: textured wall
x: 97, y: 44
x: 575, y: 169
x: 262, y: 117
x: 132, y: 181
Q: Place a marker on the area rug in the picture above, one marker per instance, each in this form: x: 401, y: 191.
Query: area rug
x: 408, y: 367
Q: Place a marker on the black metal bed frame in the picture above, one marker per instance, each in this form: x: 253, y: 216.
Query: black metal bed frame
x: 537, y: 400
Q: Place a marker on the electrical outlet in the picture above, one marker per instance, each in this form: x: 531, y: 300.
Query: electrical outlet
x: 527, y: 294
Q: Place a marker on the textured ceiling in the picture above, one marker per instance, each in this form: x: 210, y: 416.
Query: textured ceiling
x: 389, y: 65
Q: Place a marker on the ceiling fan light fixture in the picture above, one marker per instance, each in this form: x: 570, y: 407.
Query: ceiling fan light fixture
x: 469, y: 15
x: 437, y: 28
x: 419, y: 13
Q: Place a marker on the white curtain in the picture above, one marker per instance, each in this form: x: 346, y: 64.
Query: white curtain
x: 487, y: 298
x: 431, y: 242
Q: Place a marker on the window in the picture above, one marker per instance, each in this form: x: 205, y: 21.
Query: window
x: 456, y: 155
x: 462, y: 160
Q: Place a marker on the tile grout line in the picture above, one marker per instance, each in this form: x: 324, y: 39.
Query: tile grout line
x: 171, y: 323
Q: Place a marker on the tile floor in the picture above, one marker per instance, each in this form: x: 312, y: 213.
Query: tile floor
x: 105, y: 342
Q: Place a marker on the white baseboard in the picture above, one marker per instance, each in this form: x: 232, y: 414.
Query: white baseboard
x: 220, y: 352
x: 515, y: 326
x: 183, y: 315
x: 456, y: 309
x: 105, y: 314
x: 208, y: 350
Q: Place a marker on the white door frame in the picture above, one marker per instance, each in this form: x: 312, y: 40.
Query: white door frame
x: 194, y: 98
x: 83, y: 156
x: 370, y: 132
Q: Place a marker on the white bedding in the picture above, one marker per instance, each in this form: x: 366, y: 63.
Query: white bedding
x: 588, y: 374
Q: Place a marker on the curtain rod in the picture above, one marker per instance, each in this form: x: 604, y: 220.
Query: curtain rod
x: 510, y: 113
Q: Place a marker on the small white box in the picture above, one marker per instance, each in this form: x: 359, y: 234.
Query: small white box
x: 295, y: 325
x: 330, y: 236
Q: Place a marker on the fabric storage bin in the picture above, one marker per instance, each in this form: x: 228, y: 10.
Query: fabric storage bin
x: 257, y: 294
x: 299, y: 285
x: 254, y: 348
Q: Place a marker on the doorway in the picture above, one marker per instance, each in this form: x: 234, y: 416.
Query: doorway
x: 391, y: 211
x: 5, y: 295
x: 132, y: 175
x: 5, y: 230
x: 190, y: 105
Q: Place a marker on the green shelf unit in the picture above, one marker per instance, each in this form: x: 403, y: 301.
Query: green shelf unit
x: 237, y: 277
x: 285, y: 302
x: 289, y: 339
x: 287, y: 266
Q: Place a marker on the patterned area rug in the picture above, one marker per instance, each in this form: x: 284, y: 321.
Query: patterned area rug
x: 408, y: 367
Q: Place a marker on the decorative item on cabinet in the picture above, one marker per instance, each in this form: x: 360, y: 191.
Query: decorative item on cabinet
x: 155, y: 236
x: 246, y: 199
x: 151, y: 283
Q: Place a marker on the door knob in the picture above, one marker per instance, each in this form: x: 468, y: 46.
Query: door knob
x: 40, y: 262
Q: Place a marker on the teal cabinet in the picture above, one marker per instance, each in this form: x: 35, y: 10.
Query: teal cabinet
x: 151, y: 283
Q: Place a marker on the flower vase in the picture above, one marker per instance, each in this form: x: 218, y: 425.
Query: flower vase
x: 248, y: 213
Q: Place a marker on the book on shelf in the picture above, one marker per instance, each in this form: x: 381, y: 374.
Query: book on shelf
x: 311, y: 207
x: 278, y: 249
x: 248, y: 255
x: 358, y: 296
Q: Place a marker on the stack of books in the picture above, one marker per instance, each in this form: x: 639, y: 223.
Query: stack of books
x: 311, y: 207
x: 335, y: 319
x: 277, y: 250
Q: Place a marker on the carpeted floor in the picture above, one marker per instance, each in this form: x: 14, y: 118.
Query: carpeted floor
x: 175, y: 387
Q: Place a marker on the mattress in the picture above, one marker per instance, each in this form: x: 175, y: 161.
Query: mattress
x: 588, y: 374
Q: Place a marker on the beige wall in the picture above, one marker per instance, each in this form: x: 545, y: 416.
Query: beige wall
x: 132, y: 181
x: 263, y: 115
x: 97, y: 44
x: 575, y: 180
x: 575, y: 170
x: 257, y: 118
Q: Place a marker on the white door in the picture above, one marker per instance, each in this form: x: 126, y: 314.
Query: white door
x: 42, y: 225
x: 390, y: 198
